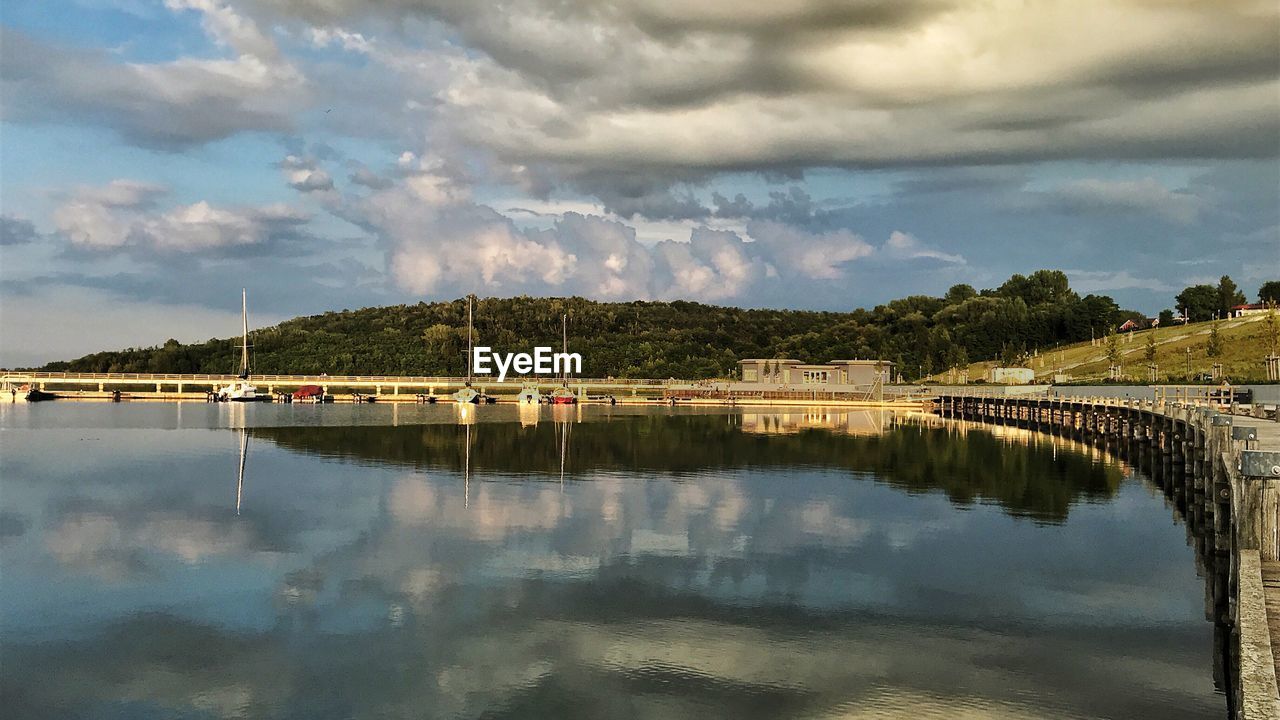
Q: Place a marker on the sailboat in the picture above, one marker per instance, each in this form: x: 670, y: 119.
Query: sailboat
x: 241, y: 390
x: 563, y: 395
x: 468, y: 394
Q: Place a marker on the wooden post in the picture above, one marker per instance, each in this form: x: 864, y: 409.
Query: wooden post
x: 1258, y: 513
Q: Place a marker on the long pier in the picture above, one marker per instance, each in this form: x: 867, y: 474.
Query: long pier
x: 394, y: 388
x: 1220, y: 464
x: 386, y: 387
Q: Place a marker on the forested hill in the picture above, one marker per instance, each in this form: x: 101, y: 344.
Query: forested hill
x: 650, y: 339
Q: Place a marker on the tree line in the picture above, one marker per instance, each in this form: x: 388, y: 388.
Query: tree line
x: 1203, y: 302
x: 687, y: 340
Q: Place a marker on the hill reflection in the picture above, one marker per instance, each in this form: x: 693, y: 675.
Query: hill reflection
x: 1026, y: 475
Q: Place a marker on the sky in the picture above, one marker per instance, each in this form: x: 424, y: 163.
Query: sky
x: 156, y: 156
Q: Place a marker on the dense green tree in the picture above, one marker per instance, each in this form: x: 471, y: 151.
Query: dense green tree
x: 1043, y: 286
x: 678, y: 339
x: 959, y: 293
x: 1198, y: 302
x: 1166, y: 317
x: 1228, y: 296
x: 1270, y: 291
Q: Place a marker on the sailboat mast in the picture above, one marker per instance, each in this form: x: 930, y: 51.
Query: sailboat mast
x: 564, y: 336
x: 469, y: 332
x: 244, y: 341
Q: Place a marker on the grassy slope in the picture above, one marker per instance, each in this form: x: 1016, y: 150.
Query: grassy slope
x: 1244, y: 347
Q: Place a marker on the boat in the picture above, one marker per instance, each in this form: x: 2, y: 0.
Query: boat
x: 34, y: 394
x: 529, y: 395
x: 468, y: 395
x: 311, y: 394
x: 241, y: 390
x: 563, y: 395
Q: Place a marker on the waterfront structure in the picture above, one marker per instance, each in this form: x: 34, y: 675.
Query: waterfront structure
x: 1012, y: 375
x: 788, y: 372
x: 1220, y: 468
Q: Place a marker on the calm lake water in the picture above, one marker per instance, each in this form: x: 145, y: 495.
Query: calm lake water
x: 596, y: 562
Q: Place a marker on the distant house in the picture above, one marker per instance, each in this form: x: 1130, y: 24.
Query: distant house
x: 1139, y: 324
x: 1013, y: 375
x: 793, y: 372
x: 1251, y: 309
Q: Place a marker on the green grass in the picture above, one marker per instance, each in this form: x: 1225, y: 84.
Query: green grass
x: 1244, y: 342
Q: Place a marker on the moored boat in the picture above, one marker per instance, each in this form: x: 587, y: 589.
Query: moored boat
x: 468, y: 395
x: 529, y: 396
x: 311, y: 394
x: 35, y: 394
x: 241, y: 390
x: 563, y: 395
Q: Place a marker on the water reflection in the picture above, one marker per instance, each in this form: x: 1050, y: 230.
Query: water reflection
x: 969, y: 464
x: 244, y: 453
x: 639, y: 566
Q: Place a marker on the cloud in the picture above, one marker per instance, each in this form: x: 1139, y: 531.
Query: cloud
x: 793, y: 206
x: 437, y: 240
x: 167, y: 105
x: 123, y: 215
x: 16, y: 230
x: 1088, y: 281
x: 303, y: 174
x: 902, y: 246
x: 651, y: 84
x: 1147, y: 197
x: 368, y: 178
x: 817, y: 256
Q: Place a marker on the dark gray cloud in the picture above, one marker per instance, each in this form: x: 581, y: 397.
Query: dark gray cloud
x: 169, y: 106
x: 370, y: 179
x: 630, y: 195
x: 16, y: 231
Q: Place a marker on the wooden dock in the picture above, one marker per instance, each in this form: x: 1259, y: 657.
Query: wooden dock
x: 1219, y: 464
x: 1271, y: 589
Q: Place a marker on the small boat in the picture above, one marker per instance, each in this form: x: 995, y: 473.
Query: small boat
x: 529, y: 396
x: 35, y: 394
x: 241, y: 390
x: 563, y: 396
x: 311, y: 394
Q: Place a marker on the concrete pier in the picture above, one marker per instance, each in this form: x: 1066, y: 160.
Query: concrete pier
x: 368, y: 388
x: 1220, y: 467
